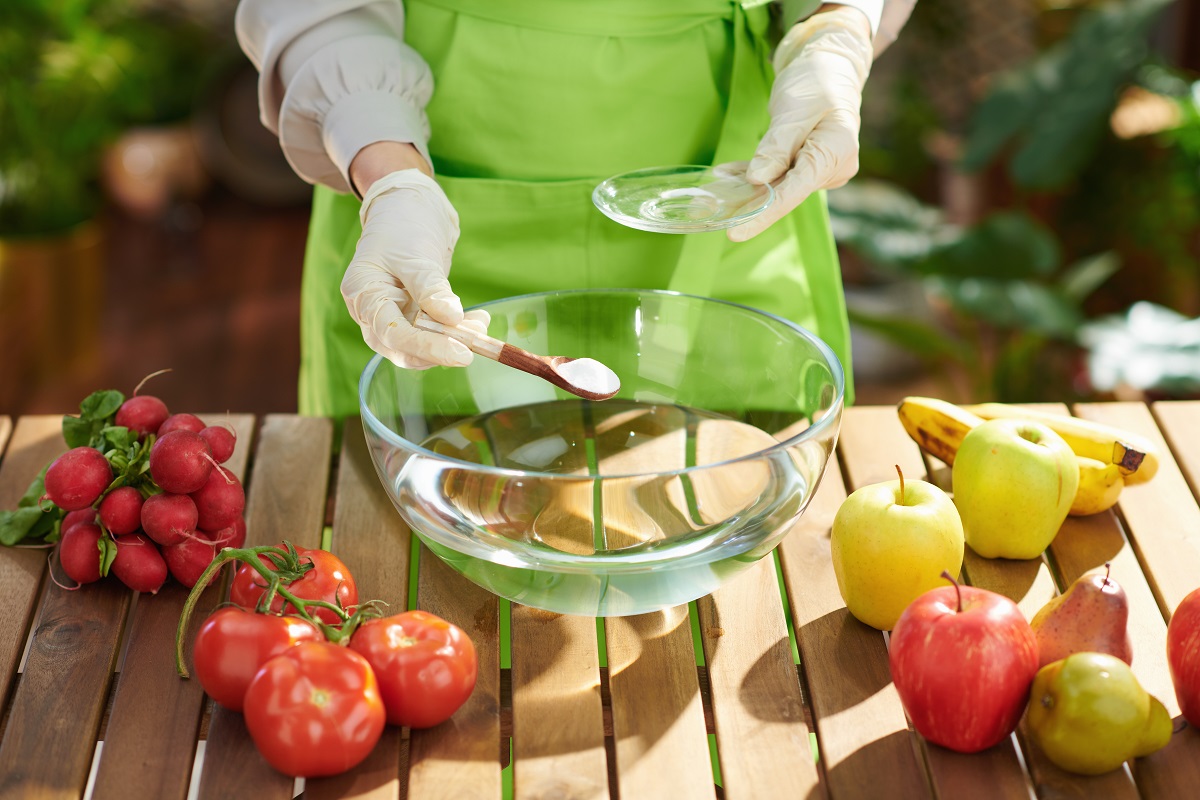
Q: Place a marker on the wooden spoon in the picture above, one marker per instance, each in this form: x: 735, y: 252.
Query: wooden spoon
x: 582, y: 377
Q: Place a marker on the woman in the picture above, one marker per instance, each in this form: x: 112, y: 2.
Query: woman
x: 536, y: 101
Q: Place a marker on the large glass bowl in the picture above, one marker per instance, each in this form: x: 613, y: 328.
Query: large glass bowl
x: 696, y: 469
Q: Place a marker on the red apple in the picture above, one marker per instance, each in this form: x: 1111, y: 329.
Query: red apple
x: 963, y: 660
x: 1183, y: 655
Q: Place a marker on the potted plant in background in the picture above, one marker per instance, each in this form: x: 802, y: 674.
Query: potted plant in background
x: 155, y: 163
x: 76, y: 74
x: 61, y: 70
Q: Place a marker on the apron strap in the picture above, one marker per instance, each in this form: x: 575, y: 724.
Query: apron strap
x: 700, y: 256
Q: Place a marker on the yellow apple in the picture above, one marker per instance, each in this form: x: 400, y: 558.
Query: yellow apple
x: 1014, y: 481
x: 891, y: 541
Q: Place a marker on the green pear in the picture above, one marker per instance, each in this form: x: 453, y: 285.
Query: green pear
x: 1089, y: 714
x: 1091, y: 616
x: 1014, y: 482
x: 890, y: 542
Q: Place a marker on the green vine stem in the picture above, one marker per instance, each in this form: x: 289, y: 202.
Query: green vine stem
x: 287, y: 569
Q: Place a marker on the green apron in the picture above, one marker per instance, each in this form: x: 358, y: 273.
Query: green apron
x: 535, y: 102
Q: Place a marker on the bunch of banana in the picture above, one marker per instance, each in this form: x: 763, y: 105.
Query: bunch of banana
x: 1108, y: 458
x: 1133, y: 455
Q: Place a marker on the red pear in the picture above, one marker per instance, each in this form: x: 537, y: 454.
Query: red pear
x: 1091, y: 616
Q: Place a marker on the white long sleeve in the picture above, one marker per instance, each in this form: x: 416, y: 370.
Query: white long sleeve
x: 887, y: 17
x: 335, y: 76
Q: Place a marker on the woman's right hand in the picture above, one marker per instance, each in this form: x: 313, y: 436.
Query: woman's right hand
x: 401, y: 266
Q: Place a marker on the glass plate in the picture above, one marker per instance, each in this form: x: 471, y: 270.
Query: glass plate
x: 683, y: 199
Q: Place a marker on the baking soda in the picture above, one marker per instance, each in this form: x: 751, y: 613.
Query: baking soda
x: 589, y: 375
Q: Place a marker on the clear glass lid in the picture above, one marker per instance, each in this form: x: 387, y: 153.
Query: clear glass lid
x: 683, y: 199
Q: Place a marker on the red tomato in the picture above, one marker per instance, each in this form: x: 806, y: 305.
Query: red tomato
x: 233, y: 643
x: 328, y: 580
x: 314, y: 710
x: 426, y: 666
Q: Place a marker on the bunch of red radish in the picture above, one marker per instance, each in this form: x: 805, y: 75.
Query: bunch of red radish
x: 168, y: 509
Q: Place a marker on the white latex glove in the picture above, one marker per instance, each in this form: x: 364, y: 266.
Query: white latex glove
x: 400, y: 267
x: 812, y: 142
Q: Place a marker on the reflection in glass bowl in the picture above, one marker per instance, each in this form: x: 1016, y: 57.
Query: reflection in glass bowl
x: 705, y: 459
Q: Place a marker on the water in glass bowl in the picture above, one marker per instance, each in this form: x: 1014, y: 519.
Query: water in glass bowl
x: 598, y: 508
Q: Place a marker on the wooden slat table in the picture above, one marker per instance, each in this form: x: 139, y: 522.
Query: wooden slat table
x: 623, y: 707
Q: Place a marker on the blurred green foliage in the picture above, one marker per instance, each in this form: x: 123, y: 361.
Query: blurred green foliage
x: 1047, y: 124
x: 1054, y: 110
x: 1082, y: 222
x: 73, y: 75
x: 1009, y: 299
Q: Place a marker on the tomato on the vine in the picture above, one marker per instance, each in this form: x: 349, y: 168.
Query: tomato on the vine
x: 426, y: 666
x: 328, y: 580
x: 314, y: 710
x: 233, y: 643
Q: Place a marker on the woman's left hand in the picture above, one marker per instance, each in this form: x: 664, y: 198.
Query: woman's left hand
x: 812, y: 142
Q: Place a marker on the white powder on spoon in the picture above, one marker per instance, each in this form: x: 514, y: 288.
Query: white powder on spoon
x: 589, y: 375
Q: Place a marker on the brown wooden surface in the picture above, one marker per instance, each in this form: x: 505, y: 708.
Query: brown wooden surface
x: 1161, y: 515
x: 288, y: 483
x: 557, y: 716
x: 373, y: 541
x: 34, y: 443
x: 1163, y: 522
x: 862, y: 733
x: 558, y: 720
x: 660, y: 739
x: 55, y: 710
x: 55, y: 714
x: 1180, y: 424
x: 651, y: 698
x: 757, y: 704
x: 465, y: 751
x: 150, y: 740
x: 658, y: 720
x: 870, y: 432
x: 758, y: 708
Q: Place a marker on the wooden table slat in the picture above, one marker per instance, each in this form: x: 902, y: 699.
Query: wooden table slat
x: 56, y: 710
x: 34, y: 443
x: 156, y: 715
x: 464, y: 751
x: 557, y: 716
x: 1179, y: 423
x: 758, y: 708
x: 655, y: 707
x: 285, y: 500
x: 757, y: 705
x: 660, y: 739
x: 1163, y: 523
x: 558, y: 720
x: 658, y: 717
x: 871, y: 431
x: 373, y: 541
x: 1161, y: 515
x: 1031, y: 584
x: 862, y: 732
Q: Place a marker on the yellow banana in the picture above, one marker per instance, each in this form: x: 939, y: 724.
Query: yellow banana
x: 936, y: 425
x: 1135, y: 456
x: 939, y: 428
x: 1100, y: 486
